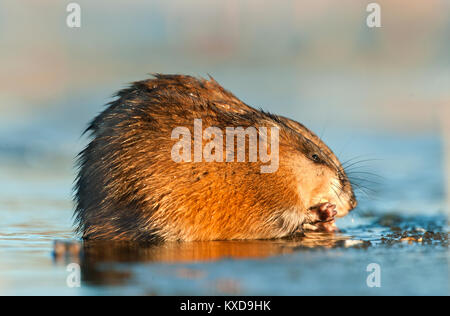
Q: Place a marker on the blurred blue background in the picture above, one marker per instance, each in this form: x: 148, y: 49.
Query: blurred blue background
x: 380, y: 94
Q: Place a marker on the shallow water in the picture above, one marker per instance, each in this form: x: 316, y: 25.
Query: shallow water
x: 399, y: 224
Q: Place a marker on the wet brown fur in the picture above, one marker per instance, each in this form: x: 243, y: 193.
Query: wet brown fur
x: 128, y: 187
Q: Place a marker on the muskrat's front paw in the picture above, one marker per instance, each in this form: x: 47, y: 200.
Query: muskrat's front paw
x: 322, y: 218
x: 323, y: 212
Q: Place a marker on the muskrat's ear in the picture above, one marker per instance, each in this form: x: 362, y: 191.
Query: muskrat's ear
x: 211, y: 78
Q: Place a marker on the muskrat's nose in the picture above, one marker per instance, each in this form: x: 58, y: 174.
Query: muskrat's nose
x: 353, y: 202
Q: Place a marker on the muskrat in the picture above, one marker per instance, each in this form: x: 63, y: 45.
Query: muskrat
x: 130, y: 187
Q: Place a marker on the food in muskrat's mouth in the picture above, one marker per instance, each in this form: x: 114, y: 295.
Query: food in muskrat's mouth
x: 161, y: 165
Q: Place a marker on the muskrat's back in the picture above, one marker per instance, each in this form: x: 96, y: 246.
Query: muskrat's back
x: 130, y: 188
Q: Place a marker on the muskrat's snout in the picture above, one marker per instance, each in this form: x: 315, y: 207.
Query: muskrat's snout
x: 346, y: 188
x: 338, y: 192
x: 353, y: 202
x: 346, y: 203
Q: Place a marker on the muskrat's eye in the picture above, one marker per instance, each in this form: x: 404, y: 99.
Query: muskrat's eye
x: 315, y: 158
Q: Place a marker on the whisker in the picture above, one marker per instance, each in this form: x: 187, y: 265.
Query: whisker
x: 351, y: 179
x: 338, y: 186
x: 362, y: 181
x: 359, y: 162
x: 332, y: 188
x: 364, y: 172
x: 359, y: 186
x: 367, y: 195
x: 352, y: 159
